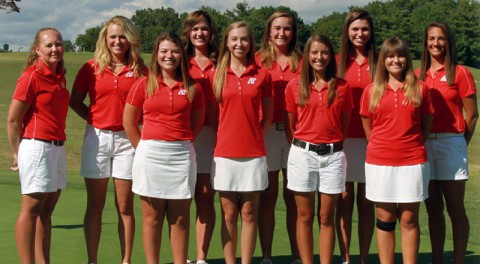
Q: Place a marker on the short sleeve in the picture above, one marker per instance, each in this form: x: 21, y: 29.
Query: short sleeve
x: 83, y: 79
x: 365, y: 102
x: 137, y: 94
x: 25, y: 89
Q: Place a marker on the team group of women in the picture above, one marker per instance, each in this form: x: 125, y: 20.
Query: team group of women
x: 207, y: 117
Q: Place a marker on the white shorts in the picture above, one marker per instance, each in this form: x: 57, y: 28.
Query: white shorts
x: 42, y: 167
x: 310, y: 172
x: 277, y: 147
x: 164, y: 169
x: 448, y: 158
x: 397, y: 184
x: 356, y: 151
x: 106, y: 153
x: 204, y: 144
x: 239, y: 174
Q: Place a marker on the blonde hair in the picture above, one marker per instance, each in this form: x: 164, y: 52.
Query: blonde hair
x: 193, y: 19
x: 307, y: 75
x: 182, y: 71
x: 32, y: 54
x: 224, y: 57
x: 394, y: 46
x: 102, y: 55
x: 267, y: 51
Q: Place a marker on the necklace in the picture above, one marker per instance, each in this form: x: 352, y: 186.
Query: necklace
x: 118, y: 64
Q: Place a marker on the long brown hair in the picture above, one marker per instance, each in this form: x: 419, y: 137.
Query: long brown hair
x: 307, y: 75
x: 102, y: 55
x: 346, y: 46
x: 193, y: 19
x: 267, y: 51
x: 392, y: 46
x: 224, y: 57
x: 450, y: 52
x: 182, y: 71
x: 32, y: 54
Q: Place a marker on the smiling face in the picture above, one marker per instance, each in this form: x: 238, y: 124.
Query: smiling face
x: 50, y: 48
x: 238, y: 43
x: 117, y: 42
x: 200, y: 34
x: 395, y: 64
x: 281, y: 32
x: 319, y: 57
x: 436, y: 42
x: 359, y: 33
x: 169, y: 56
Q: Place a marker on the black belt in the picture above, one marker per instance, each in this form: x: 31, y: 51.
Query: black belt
x: 320, y: 149
x: 57, y: 143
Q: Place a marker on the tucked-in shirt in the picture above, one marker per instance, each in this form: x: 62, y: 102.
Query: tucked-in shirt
x: 280, y: 79
x: 396, y: 137
x: 317, y: 122
x: 107, y: 93
x: 239, y: 130
x: 167, y: 113
x: 48, y: 98
x: 447, y: 99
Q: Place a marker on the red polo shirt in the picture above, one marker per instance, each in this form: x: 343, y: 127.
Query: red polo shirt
x: 280, y: 79
x: 48, y: 98
x: 358, y: 77
x: 239, y: 130
x: 202, y: 78
x: 396, y: 138
x: 447, y: 100
x: 107, y: 93
x: 167, y: 113
x: 316, y: 121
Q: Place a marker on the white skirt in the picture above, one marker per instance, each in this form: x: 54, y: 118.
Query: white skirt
x: 397, y: 184
x: 164, y: 169
x: 239, y: 174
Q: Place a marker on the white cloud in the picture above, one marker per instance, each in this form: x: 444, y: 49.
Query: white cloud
x: 74, y: 17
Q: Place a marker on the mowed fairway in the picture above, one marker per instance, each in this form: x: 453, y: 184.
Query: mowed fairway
x: 68, y: 244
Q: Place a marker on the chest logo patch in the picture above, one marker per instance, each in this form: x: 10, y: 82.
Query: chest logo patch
x: 444, y: 78
x: 182, y: 92
x: 129, y: 74
x: 252, y: 80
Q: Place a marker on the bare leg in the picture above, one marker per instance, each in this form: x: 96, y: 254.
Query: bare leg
x: 230, y: 210
x: 386, y: 212
x: 43, y: 230
x: 25, y: 228
x: 305, y: 210
x: 366, y: 221
x: 153, y: 214
x: 266, y: 220
x: 327, y: 227
x: 289, y: 198
x: 204, y: 198
x: 408, y: 214
x: 436, y: 220
x: 178, y: 215
x: 92, y: 223
x: 249, y: 211
x: 343, y: 220
x: 126, y: 218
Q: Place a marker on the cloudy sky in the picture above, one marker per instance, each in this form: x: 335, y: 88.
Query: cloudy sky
x: 73, y: 17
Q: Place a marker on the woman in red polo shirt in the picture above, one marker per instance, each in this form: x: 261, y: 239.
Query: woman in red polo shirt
x: 164, y: 168
x: 397, y: 116
x: 36, y: 131
x: 199, y: 37
x: 319, y: 106
x: 239, y: 169
x: 453, y: 92
x: 106, y: 152
x: 356, y: 63
x: 281, y: 57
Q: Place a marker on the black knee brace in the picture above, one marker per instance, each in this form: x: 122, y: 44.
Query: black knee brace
x: 386, y: 226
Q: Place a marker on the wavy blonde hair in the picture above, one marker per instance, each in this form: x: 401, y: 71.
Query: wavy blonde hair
x: 182, y: 71
x: 224, y: 57
x: 102, y: 55
x: 394, y: 46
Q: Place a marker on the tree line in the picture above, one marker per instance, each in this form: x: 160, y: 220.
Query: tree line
x: 404, y: 18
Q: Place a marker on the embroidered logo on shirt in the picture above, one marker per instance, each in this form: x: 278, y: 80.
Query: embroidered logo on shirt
x: 182, y: 92
x: 444, y: 78
x: 252, y: 80
x: 129, y: 74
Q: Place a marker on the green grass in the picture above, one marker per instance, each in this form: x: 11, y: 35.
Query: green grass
x: 68, y: 244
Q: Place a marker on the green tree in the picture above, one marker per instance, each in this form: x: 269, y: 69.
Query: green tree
x: 68, y: 46
x: 87, y: 41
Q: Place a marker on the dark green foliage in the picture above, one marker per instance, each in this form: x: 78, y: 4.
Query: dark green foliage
x: 87, y: 41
